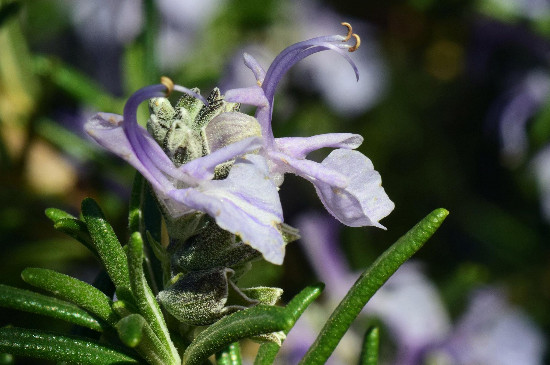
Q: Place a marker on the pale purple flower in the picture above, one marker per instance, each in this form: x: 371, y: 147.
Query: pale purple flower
x: 245, y: 203
x: 345, y: 181
x: 493, y: 332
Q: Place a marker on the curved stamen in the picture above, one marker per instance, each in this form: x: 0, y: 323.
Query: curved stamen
x: 350, y: 31
x: 166, y: 81
x: 357, y: 43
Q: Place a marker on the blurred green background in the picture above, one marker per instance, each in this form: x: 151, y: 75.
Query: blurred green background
x: 453, y: 102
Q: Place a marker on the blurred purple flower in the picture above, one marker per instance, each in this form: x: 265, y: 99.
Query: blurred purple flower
x: 524, y: 101
x: 245, y: 203
x: 345, y: 181
x: 492, y: 332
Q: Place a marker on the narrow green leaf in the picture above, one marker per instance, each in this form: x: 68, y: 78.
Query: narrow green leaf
x: 73, y: 290
x: 295, y: 308
x: 231, y: 355
x: 134, y: 332
x: 106, y: 244
x: 56, y: 214
x: 303, y: 299
x: 368, y: 283
x: 77, y: 230
x: 369, y: 354
x: 145, y: 300
x: 28, y: 301
x: 44, y: 345
x: 247, y: 323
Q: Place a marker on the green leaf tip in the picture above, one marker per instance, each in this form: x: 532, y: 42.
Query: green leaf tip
x: 369, y: 353
x: 106, y: 243
x: 55, y: 214
x: 130, y: 329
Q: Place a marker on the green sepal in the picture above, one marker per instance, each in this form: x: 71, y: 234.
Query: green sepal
x: 200, y: 298
x: 106, y: 243
x: 54, y: 347
x: 145, y: 300
x: 28, y: 301
x: 369, y: 353
x: 73, y: 290
x: 368, y: 283
x: 289, y: 233
x: 247, y: 323
x: 268, y: 351
x: 263, y: 294
x: 77, y: 230
x: 55, y: 214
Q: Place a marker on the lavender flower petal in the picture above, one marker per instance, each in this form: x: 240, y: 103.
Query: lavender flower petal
x: 309, y: 170
x: 246, y: 203
x: 363, y: 202
x: 300, y: 147
x: 106, y: 129
x: 203, y: 168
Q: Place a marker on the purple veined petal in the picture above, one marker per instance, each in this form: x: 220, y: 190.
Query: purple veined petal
x: 202, y: 168
x: 255, y: 67
x: 309, y: 170
x: 363, y: 202
x: 246, y: 203
x: 300, y: 147
x: 107, y: 130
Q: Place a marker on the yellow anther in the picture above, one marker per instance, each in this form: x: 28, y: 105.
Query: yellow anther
x: 357, y: 43
x: 350, y: 31
x: 166, y: 81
